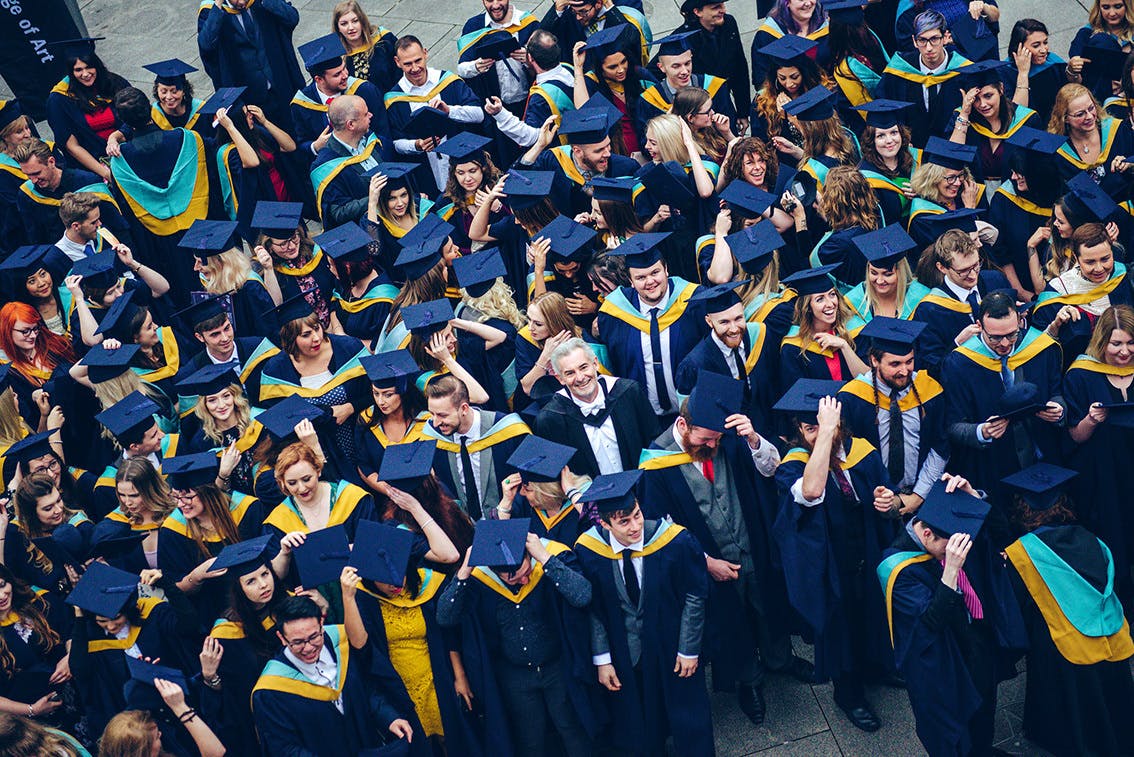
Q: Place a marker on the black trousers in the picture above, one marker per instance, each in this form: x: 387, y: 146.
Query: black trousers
x: 532, y: 696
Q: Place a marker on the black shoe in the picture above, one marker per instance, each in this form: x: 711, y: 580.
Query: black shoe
x: 799, y: 669
x: 894, y: 681
x: 751, y: 700
x: 862, y: 717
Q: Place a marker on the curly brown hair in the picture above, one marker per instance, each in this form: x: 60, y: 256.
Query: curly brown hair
x: 32, y: 611
x: 848, y: 200
x: 752, y: 147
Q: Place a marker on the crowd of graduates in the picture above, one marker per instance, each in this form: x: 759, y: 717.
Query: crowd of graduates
x: 365, y: 407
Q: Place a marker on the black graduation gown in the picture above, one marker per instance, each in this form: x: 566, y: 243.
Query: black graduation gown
x: 1017, y: 218
x: 817, y: 554
x: 1075, y: 336
x: 721, y: 53
x: 229, y: 710
x: 760, y: 369
x: 294, y: 716
x: 902, y: 81
x: 39, y: 208
x: 504, y: 434
x: 945, y: 316
x: 665, y: 705
x: 32, y: 666
x: 634, y: 424
x: 933, y: 642
x: 567, y: 190
x: 1082, y: 706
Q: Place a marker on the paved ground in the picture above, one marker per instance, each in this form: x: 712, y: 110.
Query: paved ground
x: 802, y: 720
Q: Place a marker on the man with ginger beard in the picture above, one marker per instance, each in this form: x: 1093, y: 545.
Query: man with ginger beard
x: 909, y: 433
x: 702, y: 472
x: 734, y: 347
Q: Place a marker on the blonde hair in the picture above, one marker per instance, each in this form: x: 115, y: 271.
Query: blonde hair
x: 1057, y: 124
x: 804, y: 320
x: 666, y: 131
x: 553, y: 307
x: 112, y: 391
x: 927, y: 176
x: 767, y: 285
x: 240, y: 408
x: 19, y: 124
x: 130, y: 733
x: 352, y: 6
x: 497, y: 302
x: 1120, y: 317
x: 905, y: 278
x: 546, y: 494
x: 1095, y: 19
x: 226, y: 272
x: 12, y: 428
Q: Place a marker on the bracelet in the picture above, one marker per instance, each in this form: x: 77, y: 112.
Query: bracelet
x: 187, y: 716
x: 426, y: 523
x: 31, y: 710
x: 962, y: 120
x: 214, y: 682
x: 1019, y: 87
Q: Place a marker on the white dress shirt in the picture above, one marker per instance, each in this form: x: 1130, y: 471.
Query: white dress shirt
x: 468, y: 114
x: 235, y: 358
x: 323, y: 672
x: 648, y: 356
x: 469, y: 436
x: 961, y: 293
x: 511, y: 73
x: 515, y: 129
x: 603, y: 439
x: 730, y: 360
x: 617, y: 547
x: 926, y: 70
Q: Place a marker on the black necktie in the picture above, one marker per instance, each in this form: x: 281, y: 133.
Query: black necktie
x: 974, y: 304
x: 659, y: 367
x: 633, y: 590
x: 897, y: 454
x: 932, y: 97
x: 736, y: 356
x: 472, y: 496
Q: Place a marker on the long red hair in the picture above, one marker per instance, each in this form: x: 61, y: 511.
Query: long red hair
x: 50, y: 348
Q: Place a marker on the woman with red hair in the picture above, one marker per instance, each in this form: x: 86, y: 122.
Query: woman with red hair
x: 34, y: 352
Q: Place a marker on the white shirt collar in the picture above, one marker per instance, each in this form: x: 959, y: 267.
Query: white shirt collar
x: 235, y: 357
x: 962, y: 294
x: 617, y: 546
x: 322, y: 669
x: 431, y: 79
x: 926, y: 70
x: 474, y: 430
x: 725, y: 349
x: 595, y: 405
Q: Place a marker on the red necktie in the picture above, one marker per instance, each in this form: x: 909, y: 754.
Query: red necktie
x: 707, y: 469
x: 969, y: 596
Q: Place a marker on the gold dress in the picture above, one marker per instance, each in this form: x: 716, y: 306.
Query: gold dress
x: 409, y: 650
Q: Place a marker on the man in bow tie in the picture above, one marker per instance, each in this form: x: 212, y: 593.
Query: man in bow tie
x: 608, y: 420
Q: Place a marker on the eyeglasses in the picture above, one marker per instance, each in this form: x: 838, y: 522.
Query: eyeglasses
x: 184, y: 496
x: 962, y: 272
x: 1089, y: 110
x: 935, y: 41
x: 311, y: 641
x: 31, y: 331
x: 956, y: 178
x: 1001, y: 338
x: 708, y: 112
x: 52, y: 467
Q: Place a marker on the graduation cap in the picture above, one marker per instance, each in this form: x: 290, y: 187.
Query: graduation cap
x: 1041, y: 143
x: 894, y: 335
x: 1019, y: 401
x: 591, y: 123
x: 1118, y: 414
x: 886, y: 247
x: 397, y: 174
x: 190, y: 471
x: 278, y: 220
x: 30, y: 447
x: 26, y: 260
x: 847, y: 12
x: 322, y: 54
x: 205, y: 238
x: 540, y: 460
x: 500, y: 545
x: 717, y: 298
x: 119, y: 315
x: 97, y: 270
x: 605, y: 38
x: 244, y: 557
x: 132, y: 413
x: 477, y: 273
x: 1106, y: 59
x: 64, y: 545
x: 1087, y: 199
x: 104, y: 365
x: 103, y: 590
x: 973, y: 37
x: 322, y: 556
x: 280, y: 419
x: 662, y: 181
x: 1040, y: 485
x: 714, y: 398
x: 884, y: 114
x: 10, y: 110
x: 983, y: 73
x: 641, y: 250
x: 526, y: 189
x: 426, y: 318
x: 388, y: 370
x: 613, y: 491
x: 955, y: 512
x: 620, y: 189
x: 405, y: 466
x: 422, y: 245
x: 568, y: 238
x: 381, y: 552
x: 788, y: 49
x: 346, y: 243
x: 224, y: 97
x: 292, y: 309
x: 753, y: 247
x: 802, y: 399
x: 117, y: 547
x: 146, y: 672
x: 79, y: 47
x: 202, y: 310
x: 962, y: 219
x: 675, y: 43
x: 942, y: 152
x: 170, y: 72
x: 746, y: 200
x: 466, y: 147
x: 495, y: 44
x: 427, y: 122
x: 816, y: 104
x: 812, y: 280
